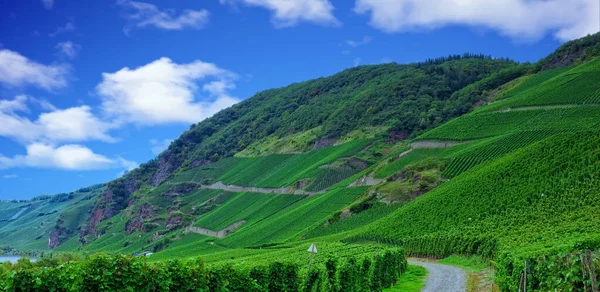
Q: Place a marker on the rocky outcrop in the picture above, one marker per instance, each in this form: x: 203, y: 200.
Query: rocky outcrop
x: 58, y: 235
x: 136, y: 223
x: 325, y: 142
x: 396, y: 136
x: 174, y: 221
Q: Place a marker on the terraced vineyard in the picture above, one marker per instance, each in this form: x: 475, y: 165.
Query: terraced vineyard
x: 249, y: 207
x: 579, y: 85
x: 277, y: 170
x: 295, y: 221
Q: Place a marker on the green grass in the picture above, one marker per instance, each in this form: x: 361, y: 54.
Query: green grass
x: 413, y: 280
x: 469, y: 263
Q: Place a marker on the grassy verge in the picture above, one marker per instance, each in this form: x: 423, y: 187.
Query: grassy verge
x: 471, y: 263
x: 480, y: 276
x: 412, y: 281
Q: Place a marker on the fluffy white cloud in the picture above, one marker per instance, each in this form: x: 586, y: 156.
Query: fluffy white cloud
x: 68, y: 49
x: 69, y: 157
x: 288, y: 13
x: 520, y: 19
x: 69, y: 26
x: 159, y: 146
x: 365, y: 40
x: 72, y: 124
x: 146, y: 14
x: 165, y: 92
x: 48, y: 3
x: 17, y: 70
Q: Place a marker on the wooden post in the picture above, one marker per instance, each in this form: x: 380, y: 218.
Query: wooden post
x: 525, y: 279
x: 310, y: 262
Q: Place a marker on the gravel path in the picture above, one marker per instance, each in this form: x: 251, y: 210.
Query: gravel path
x: 442, y: 277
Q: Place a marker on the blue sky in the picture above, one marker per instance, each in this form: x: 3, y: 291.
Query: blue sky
x: 91, y: 88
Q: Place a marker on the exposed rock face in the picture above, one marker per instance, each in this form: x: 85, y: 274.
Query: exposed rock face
x: 165, y: 168
x: 396, y: 136
x: 58, y: 235
x: 357, y: 163
x: 565, y: 60
x: 174, y: 221
x: 197, y: 163
x: 137, y: 222
x: 325, y: 142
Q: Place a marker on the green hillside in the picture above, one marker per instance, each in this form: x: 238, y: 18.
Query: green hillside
x: 462, y: 155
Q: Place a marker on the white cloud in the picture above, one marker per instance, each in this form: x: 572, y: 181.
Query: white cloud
x: 48, y: 4
x: 146, y: 14
x: 69, y: 26
x: 365, y: 40
x: 287, y: 13
x: 69, y: 157
x: 72, y: 124
x: 10, y: 176
x: 159, y: 146
x: 519, y: 19
x: 165, y: 92
x: 16, y: 105
x: 17, y: 70
x: 357, y: 61
x: 68, y: 49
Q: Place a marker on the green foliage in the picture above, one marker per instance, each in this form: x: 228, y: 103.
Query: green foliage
x: 294, y: 221
x: 126, y: 273
x: 411, y: 281
x: 518, y: 203
x: 579, y: 85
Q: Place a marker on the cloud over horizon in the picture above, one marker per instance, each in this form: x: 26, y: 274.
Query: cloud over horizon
x: 287, y: 13
x: 518, y: 19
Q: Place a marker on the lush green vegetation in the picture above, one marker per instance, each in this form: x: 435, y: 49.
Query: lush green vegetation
x: 249, y: 207
x: 411, y: 281
x: 472, y: 263
x: 541, y: 198
x: 279, y: 170
x: 294, y: 221
x: 521, y: 185
x: 368, y: 273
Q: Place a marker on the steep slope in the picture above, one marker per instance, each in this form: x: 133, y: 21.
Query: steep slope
x: 397, y: 99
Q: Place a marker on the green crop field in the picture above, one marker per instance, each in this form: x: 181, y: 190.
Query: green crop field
x: 277, y: 170
x: 250, y: 207
x: 296, y: 220
x: 579, y: 85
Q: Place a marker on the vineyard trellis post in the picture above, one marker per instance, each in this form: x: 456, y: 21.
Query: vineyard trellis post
x: 525, y: 278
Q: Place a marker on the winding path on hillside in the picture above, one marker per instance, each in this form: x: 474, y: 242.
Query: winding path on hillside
x: 442, y: 277
x: 218, y: 234
x: 239, y: 189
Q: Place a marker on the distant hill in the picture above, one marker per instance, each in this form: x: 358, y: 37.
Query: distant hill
x: 465, y: 154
